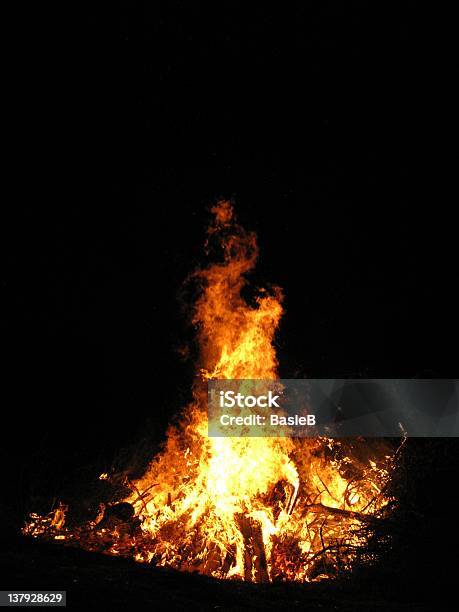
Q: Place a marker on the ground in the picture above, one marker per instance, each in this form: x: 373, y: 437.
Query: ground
x: 94, y: 581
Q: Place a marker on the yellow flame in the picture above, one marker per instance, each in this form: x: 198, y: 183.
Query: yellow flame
x: 255, y: 508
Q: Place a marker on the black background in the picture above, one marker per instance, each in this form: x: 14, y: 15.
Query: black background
x: 329, y: 127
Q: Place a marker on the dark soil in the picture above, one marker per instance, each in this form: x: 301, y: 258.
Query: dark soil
x: 94, y: 581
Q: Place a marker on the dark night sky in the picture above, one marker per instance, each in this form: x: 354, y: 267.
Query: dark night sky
x: 323, y: 124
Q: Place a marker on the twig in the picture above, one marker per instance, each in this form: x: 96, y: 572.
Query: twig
x: 318, y: 508
x: 140, y: 496
x: 321, y: 536
x: 326, y: 488
x: 331, y: 547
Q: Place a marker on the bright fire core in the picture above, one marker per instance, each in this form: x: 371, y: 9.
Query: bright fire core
x: 258, y: 509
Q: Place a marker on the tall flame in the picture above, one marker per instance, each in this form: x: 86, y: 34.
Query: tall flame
x: 255, y: 508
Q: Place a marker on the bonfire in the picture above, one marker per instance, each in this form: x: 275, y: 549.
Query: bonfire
x: 257, y: 509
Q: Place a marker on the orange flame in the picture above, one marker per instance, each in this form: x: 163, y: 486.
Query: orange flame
x: 254, y: 508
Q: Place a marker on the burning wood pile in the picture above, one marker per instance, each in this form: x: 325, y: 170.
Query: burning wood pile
x: 258, y: 509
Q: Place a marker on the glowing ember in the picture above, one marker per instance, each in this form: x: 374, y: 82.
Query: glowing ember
x: 259, y: 509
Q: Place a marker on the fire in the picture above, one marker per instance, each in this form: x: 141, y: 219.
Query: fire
x: 258, y: 509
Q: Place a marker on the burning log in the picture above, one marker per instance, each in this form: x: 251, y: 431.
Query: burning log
x: 229, y: 561
x: 213, y: 561
x: 120, y: 518
x: 283, y: 497
x: 255, y: 565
